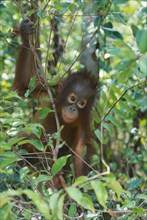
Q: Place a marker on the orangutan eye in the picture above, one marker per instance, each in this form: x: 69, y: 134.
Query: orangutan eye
x: 71, y: 98
x: 82, y: 103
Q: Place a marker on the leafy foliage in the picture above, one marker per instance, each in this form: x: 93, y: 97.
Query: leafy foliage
x: 118, y: 122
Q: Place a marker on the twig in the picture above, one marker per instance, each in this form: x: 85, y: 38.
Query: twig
x: 115, y: 103
x: 70, y: 29
x: 19, y: 7
x: 101, y: 146
x: 84, y: 47
x: 102, y: 155
x: 79, y: 157
x: 56, y: 149
x: 9, y: 44
x: 46, y: 5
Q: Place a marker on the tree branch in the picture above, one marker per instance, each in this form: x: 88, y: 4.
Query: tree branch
x: 120, y: 99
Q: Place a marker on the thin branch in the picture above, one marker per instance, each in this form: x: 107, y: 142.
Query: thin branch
x: 96, y: 31
x: 46, y: 5
x: 80, y: 157
x: 70, y: 29
x: 9, y: 44
x: 55, y: 152
x: 115, y: 103
x: 19, y: 7
x: 102, y: 155
x: 49, y: 40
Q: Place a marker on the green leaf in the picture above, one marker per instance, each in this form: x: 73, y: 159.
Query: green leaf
x: 100, y: 192
x: 110, y: 177
x: 5, y: 212
x: 134, y: 183
x: 134, y: 29
x: 126, y: 108
x: 4, y: 146
x: 108, y: 29
x: 105, y: 99
x: 125, y: 66
x: 44, y: 112
x: 11, y: 95
x: 30, y: 12
x: 142, y: 196
x: 9, y: 154
x: 100, y: 110
x: 8, y: 196
x: 80, y: 180
x: 82, y: 200
x: 60, y: 207
x: 119, y: 17
x: 4, y: 114
x: 14, y: 140
x: 57, y: 136
x: 87, y: 203
x: 39, y: 202
x: 113, y: 120
x: 40, y: 13
x: 120, y: 113
x: 32, y: 86
x: 43, y: 50
x: 132, y: 101
x: 116, y: 90
x: 130, y: 204
x: 72, y: 210
x: 55, y: 79
x: 141, y: 39
x: 101, y: 138
x: 59, y: 164
x: 121, y: 50
x: 36, y: 143
x: 139, y: 211
x: 6, y: 162
x: 34, y: 128
x: 42, y: 178
x: 74, y: 193
x: 54, y: 200
x: 115, y: 186
x: 144, y: 10
x: 143, y: 64
x: 112, y: 94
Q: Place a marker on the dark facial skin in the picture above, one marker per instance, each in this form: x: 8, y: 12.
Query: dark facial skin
x: 71, y: 110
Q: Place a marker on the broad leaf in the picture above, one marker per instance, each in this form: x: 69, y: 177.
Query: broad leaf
x: 6, y: 162
x: 36, y: 143
x: 100, y: 192
x: 114, y: 185
x: 60, y: 207
x: 42, y: 178
x: 5, y: 212
x: 39, y: 202
x: 54, y: 200
x: 72, y: 210
x: 44, y: 112
x: 141, y: 39
x: 78, y: 196
x: 74, y: 193
x: 80, y: 180
x: 59, y: 164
